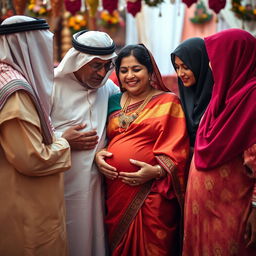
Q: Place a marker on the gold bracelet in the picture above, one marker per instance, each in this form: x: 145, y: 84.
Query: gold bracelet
x: 160, y: 173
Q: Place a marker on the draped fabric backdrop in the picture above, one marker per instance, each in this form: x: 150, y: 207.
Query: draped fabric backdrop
x: 160, y: 34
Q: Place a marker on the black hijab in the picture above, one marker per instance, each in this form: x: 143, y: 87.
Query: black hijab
x: 195, y: 98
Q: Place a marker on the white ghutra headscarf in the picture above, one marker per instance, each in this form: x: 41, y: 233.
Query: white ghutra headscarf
x: 75, y: 59
x: 30, y: 53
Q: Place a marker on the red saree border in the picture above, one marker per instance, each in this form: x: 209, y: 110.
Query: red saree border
x: 130, y: 214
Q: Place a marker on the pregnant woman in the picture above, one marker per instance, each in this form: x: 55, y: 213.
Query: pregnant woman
x: 144, y: 163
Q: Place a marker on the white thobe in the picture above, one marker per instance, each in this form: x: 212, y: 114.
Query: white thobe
x: 72, y: 105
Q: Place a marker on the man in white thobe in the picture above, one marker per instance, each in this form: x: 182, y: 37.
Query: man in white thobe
x: 80, y: 100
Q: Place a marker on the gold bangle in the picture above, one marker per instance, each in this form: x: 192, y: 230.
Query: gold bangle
x: 160, y: 173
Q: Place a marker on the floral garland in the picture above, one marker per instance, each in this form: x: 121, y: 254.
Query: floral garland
x: 76, y: 22
x: 201, y: 15
x: 37, y: 8
x: 244, y: 12
x: 110, y: 20
x: 153, y: 2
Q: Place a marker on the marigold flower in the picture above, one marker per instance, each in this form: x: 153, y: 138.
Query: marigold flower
x: 42, y: 10
x: 241, y: 8
x: 83, y: 23
x: 31, y: 6
x: 77, y: 27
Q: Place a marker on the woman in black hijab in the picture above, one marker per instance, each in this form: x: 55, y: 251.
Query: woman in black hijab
x: 195, y: 80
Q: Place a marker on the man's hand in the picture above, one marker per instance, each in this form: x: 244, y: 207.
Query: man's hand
x: 250, y: 233
x: 80, y: 140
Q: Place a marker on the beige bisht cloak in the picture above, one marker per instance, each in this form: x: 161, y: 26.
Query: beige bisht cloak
x: 31, y: 185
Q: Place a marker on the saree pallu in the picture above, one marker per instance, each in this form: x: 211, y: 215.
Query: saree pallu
x: 145, y: 219
x: 217, y: 206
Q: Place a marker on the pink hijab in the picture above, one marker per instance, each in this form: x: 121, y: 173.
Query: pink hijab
x: 228, y: 126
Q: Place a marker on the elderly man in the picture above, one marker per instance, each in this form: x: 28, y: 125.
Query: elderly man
x: 80, y: 100
x: 32, y: 214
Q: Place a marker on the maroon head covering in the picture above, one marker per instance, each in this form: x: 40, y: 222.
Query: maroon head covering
x: 228, y: 126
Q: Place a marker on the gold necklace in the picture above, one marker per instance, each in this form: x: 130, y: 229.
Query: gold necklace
x: 125, y: 119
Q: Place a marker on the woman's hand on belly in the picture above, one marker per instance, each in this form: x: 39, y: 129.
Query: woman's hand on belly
x: 108, y: 170
x: 145, y: 173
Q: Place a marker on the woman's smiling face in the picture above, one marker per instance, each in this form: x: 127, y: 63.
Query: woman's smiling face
x: 134, y: 76
x: 184, y: 73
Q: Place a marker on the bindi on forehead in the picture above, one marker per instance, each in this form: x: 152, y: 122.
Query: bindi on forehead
x: 134, y: 66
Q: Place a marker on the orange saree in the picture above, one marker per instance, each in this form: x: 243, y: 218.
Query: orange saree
x: 145, y: 219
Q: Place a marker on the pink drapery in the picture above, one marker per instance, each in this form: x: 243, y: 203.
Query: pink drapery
x: 197, y: 30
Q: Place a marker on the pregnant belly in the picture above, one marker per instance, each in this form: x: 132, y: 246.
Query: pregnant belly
x: 124, y: 150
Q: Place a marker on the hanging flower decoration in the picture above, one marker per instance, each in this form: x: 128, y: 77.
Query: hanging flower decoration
x: 76, y: 22
x: 244, y: 12
x: 110, y: 5
x: 153, y: 3
x: 133, y: 6
x: 216, y: 5
x: 73, y: 6
x: 37, y: 8
x: 201, y: 15
x: 189, y: 2
x: 108, y: 20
